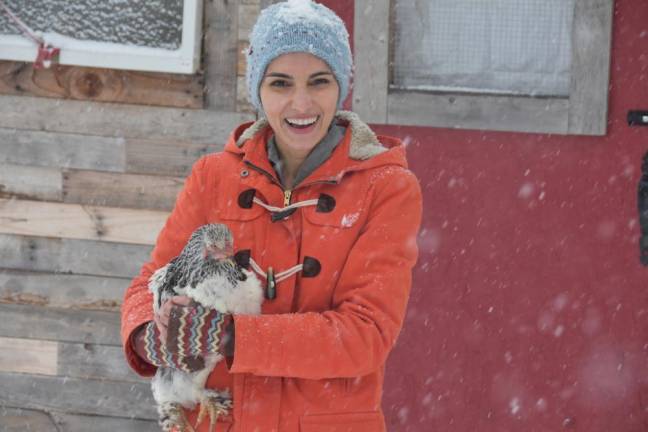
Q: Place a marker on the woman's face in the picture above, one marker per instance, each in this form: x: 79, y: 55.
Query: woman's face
x: 299, y: 95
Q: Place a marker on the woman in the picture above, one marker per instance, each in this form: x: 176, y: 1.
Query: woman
x: 311, y: 192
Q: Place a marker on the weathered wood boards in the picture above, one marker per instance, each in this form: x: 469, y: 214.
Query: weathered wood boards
x: 69, y: 361
x: 590, y: 67
x: 125, y: 121
x: 81, y: 257
x: 61, y: 150
x: 85, y: 423
x: 98, y: 397
x: 220, y: 30
x: 28, y: 356
x: 64, y: 151
x: 120, y: 190
x: 80, y: 221
x: 94, y: 361
x: 479, y: 111
x: 106, y: 85
x: 75, y: 326
x: 62, y: 290
x: 77, y: 135
x: 58, y: 361
x: 20, y: 420
x: 97, y: 188
x: 72, y: 360
x: 372, y: 45
x: 31, y: 182
x: 172, y: 157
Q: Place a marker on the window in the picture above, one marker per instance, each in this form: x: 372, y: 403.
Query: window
x: 152, y: 35
x: 515, y: 65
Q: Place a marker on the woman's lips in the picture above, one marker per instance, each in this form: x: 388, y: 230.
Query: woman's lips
x: 301, y: 129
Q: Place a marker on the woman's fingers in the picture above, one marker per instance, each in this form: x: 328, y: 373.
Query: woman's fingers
x: 162, y: 313
x: 161, y: 327
x: 180, y: 300
x: 162, y: 317
x: 165, y: 310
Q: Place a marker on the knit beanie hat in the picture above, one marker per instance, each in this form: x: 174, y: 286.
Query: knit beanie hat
x: 298, y: 26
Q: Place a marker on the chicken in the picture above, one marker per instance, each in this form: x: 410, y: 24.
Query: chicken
x: 205, y: 272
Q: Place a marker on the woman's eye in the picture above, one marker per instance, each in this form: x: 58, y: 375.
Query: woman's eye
x: 279, y: 83
x: 320, y: 81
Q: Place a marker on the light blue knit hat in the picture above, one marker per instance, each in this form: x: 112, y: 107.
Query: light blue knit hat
x: 298, y: 26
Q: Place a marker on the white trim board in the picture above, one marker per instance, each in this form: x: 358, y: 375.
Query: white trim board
x: 76, y: 52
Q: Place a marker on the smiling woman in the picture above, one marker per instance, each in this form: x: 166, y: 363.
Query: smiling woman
x: 325, y: 212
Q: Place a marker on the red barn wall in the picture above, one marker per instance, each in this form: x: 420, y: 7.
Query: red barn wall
x: 529, y: 309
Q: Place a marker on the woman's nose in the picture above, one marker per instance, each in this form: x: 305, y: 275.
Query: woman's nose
x: 302, y: 99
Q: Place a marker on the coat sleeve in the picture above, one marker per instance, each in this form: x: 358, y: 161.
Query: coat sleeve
x: 137, y: 305
x: 355, y: 337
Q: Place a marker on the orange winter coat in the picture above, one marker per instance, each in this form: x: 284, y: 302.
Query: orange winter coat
x: 314, y: 360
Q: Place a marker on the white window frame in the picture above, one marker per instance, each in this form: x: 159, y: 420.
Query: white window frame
x: 583, y: 112
x: 185, y: 59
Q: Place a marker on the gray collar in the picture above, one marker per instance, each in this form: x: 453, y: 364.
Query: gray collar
x: 315, y: 158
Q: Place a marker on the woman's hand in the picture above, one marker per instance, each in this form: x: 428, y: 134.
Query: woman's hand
x: 162, y: 317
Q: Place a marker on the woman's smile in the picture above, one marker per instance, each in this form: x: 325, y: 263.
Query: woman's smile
x: 301, y: 126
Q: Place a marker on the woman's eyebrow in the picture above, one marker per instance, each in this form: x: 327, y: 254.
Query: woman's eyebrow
x: 286, y: 76
x: 277, y: 75
x: 316, y: 74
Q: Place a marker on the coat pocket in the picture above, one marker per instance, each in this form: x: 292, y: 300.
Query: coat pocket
x: 343, y: 422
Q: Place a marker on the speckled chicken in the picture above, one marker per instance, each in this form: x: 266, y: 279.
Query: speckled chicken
x: 205, y: 272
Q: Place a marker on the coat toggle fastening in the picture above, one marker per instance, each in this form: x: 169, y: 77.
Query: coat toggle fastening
x: 324, y: 204
x: 311, y: 267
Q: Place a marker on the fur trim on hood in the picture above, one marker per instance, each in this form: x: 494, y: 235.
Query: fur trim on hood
x: 364, y: 142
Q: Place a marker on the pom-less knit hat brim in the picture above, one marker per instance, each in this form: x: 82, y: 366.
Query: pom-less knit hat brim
x: 298, y: 26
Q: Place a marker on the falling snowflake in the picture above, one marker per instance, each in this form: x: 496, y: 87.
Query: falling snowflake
x: 349, y: 219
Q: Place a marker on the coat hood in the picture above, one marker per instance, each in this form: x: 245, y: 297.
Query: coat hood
x: 360, y: 148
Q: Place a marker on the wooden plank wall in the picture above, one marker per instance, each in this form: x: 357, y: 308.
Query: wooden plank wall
x: 85, y: 186
x: 84, y: 189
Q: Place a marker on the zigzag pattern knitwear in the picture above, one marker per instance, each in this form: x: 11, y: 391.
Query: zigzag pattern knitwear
x: 157, y: 354
x: 193, y: 333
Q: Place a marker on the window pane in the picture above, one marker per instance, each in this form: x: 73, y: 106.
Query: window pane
x: 150, y: 23
x: 495, y: 46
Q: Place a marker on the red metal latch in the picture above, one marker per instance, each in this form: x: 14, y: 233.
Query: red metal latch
x: 46, y: 55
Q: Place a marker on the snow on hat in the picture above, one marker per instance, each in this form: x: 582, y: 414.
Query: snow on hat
x: 298, y: 26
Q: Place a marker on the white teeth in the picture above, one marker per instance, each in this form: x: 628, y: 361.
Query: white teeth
x: 302, y: 122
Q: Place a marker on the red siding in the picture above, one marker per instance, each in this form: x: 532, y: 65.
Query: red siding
x: 529, y: 309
